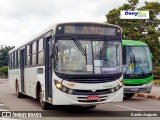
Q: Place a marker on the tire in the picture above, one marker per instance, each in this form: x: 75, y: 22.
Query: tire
x: 128, y: 95
x: 44, y: 105
x: 91, y: 107
x: 18, y: 94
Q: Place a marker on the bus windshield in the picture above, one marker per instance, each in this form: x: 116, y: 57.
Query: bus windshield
x: 88, y: 57
x: 138, y: 60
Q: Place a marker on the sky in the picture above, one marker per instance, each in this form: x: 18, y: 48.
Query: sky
x: 22, y: 19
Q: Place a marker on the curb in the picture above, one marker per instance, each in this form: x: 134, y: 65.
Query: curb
x: 140, y: 95
x: 148, y: 96
x: 151, y: 96
x: 156, y: 83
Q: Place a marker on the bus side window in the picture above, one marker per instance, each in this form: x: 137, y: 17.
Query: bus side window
x: 40, y: 53
x: 25, y: 56
x: 28, y: 57
x: 17, y: 65
x: 10, y: 61
x: 13, y: 60
x: 34, y: 53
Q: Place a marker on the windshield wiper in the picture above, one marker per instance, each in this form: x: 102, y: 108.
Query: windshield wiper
x: 104, y: 49
x: 80, y: 47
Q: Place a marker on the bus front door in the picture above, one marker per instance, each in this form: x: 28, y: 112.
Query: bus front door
x: 48, y: 69
x: 22, y: 62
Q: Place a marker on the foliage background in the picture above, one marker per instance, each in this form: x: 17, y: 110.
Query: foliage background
x: 4, y: 60
x: 145, y: 30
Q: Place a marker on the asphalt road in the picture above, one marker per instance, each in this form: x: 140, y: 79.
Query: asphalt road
x: 109, y: 111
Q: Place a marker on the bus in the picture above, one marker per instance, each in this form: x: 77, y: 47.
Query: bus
x: 76, y: 63
x: 137, y: 68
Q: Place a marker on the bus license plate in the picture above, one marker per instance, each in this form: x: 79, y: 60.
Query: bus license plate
x: 134, y: 89
x: 92, y: 97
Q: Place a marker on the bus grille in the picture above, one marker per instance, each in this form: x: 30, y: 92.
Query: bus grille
x: 89, y: 92
x: 93, y: 80
x: 134, y: 84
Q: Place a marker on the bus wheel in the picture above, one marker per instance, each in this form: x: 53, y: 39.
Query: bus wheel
x: 18, y: 94
x: 91, y: 107
x: 44, y: 105
x: 128, y: 95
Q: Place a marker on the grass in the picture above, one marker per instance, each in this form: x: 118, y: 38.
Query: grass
x: 156, y: 81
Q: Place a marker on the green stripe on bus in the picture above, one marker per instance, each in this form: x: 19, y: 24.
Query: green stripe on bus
x: 138, y: 81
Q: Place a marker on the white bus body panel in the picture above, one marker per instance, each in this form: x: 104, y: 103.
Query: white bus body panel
x: 30, y: 80
x: 31, y: 77
x: 62, y: 98
x: 14, y: 75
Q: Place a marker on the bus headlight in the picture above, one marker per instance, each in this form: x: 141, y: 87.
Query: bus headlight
x: 70, y: 91
x: 59, y: 85
x: 62, y: 87
x: 116, y: 88
x: 112, y: 90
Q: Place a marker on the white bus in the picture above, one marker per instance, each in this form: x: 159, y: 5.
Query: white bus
x: 70, y: 64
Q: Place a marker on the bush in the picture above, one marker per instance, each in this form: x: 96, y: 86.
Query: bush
x: 156, y: 72
x: 4, y: 70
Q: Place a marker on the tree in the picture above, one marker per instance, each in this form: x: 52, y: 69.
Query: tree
x: 4, y: 55
x: 133, y: 28
x: 4, y: 60
x: 147, y: 31
x: 4, y: 71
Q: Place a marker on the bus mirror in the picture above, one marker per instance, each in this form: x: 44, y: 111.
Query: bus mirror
x: 54, y: 51
x: 51, y: 55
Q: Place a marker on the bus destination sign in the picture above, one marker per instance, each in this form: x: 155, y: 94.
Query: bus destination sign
x: 73, y: 29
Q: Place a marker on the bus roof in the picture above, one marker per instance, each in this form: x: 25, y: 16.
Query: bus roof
x: 133, y: 43
x: 52, y: 27
x: 33, y: 38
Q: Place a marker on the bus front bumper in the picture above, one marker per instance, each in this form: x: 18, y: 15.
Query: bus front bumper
x: 145, y: 88
x: 61, y: 98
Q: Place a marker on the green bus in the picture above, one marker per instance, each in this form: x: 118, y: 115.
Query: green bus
x: 137, y: 68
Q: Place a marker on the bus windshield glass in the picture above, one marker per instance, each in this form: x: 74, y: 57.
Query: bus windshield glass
x: 138, y: 60
x: 88, y: 57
